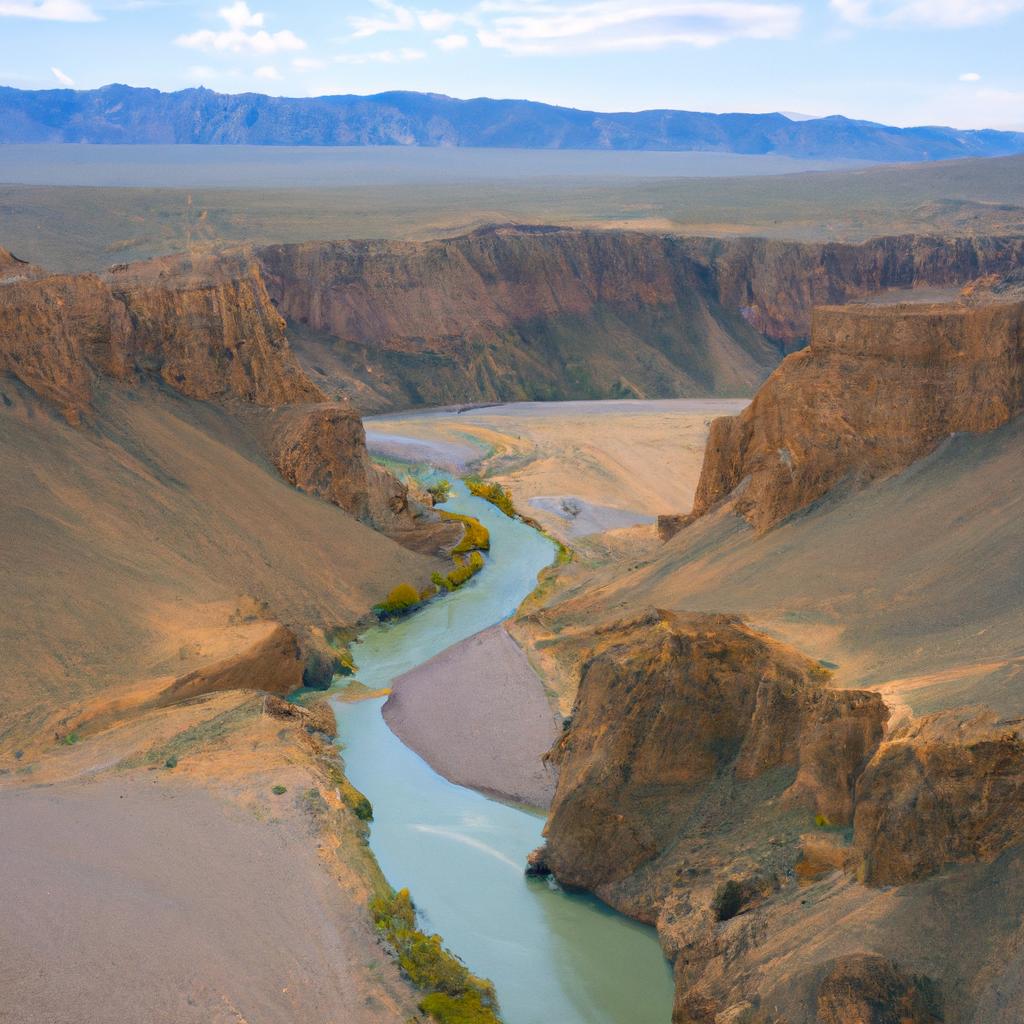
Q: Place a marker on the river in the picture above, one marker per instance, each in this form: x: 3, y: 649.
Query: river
x: 555, y: 958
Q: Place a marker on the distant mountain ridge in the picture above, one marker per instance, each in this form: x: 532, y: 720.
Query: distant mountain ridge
x: 124, y: 114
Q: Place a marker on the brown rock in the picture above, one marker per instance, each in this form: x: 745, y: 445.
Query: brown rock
x: 870, y: 989
x: 942, y: 790
x: 878, y: 388
x: 207, y: 330
x: 669, y: 702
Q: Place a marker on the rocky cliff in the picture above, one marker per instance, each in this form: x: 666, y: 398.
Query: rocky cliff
x: 204, y: 328
x: 548, y: 313
x: 668, y: 706
x: 878, y: 387
x: 708, y: 781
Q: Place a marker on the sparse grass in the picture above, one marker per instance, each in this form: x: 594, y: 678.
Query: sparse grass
x: 454, y: 995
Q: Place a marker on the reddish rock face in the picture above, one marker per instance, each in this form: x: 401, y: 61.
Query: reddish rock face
x: 554, y: 313
x: 668, y: 703
x: 878, y: 388
x: 208, y: 330
x: 943, y: 790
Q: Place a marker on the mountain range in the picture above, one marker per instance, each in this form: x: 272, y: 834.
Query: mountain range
x: 124, y: 114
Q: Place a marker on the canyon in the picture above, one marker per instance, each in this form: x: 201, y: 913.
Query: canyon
x: 791, y: 737
x: 799, y: 831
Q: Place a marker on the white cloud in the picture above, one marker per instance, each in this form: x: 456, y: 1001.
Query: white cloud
x: 381, y: 57
x: 970, y: 76
x: 48, y: 10
x: 308, y: 63
x: 269, y: 72
x: 397, y: 18
x: 942, y: 13
x: 245, y: 34
x: 452, y: 42
x: 63, y: 78
x: 527, y: 28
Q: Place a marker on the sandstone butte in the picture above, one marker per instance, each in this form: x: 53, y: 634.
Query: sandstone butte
x: 877, y: 388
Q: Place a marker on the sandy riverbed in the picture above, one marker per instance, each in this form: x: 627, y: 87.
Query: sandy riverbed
x: 478, y: 714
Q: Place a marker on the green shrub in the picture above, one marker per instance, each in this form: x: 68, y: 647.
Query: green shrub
x: 279, y: 790
x: 70, y: 740
x: 171, y: 762
x: 402, y: 599
x: 476, y: 538
x: 441, y: 491
x: 465, y: 569
x: 454, y: 995
x: 494, y: 493
x: 438, y: 580
x: 468, y: 1008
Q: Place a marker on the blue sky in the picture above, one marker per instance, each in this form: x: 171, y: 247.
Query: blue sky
x: 899, y: 61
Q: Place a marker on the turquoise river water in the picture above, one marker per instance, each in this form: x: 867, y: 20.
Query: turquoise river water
x: 554, y: 957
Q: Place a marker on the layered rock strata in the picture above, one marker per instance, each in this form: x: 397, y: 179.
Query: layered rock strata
x: 878, y: 388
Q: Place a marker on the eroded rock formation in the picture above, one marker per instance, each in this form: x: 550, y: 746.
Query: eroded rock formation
x: 667, y: 707
x: 207, y: 329
x: 543, y: 313
x: 942, y: 790
x: 877, y: 388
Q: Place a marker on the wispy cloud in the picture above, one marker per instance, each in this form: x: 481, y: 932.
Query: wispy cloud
x: 268, y: 72
x: 970, y: 76
x: 942, y: 13
x: 244, y: 34
x: 63, y: 78
x: 381, y: 56
x: 526, y: 28
x: 48, y: 10
x: 308, y: 63
x: 543, y: 27
x: 452, y: 42
x: 396, y: 18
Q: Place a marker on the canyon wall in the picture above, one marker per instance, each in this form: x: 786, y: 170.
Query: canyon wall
x: 712, y: 783
x: 513, y: 313
x: 878, y: 388
x: 206, y: 329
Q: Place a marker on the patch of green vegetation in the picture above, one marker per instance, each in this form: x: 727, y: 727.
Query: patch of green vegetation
x: 403, y: 599
x: 171, y: 762
x: 441, y: 491
x: 476, y: 538
x: 356, y: 802
x: 497, y: 495
x: 279, y: 790
x: 454, y: 995
x: 465, y: 569
x: 71, y: 739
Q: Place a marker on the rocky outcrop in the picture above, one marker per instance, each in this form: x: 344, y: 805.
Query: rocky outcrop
x: 878, y: 388
x: 206, y: 328
x: 945, y: 789
x: 777, y: 285
x: 669, y: 705
x: 321, y: 449
x: 866, y: 989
